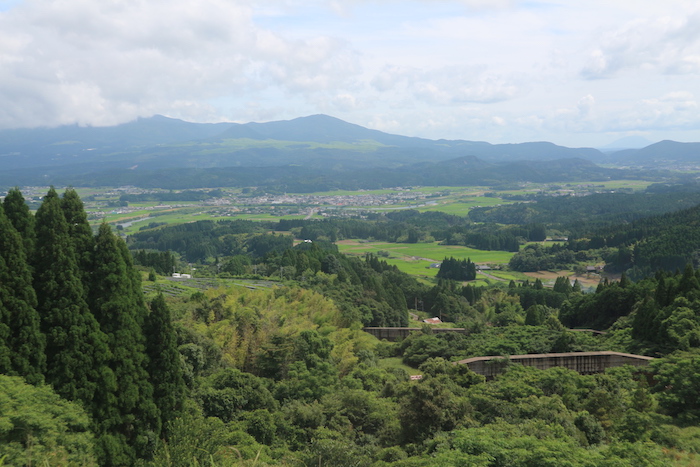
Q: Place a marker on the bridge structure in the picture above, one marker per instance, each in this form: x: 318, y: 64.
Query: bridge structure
x: 582, y: 362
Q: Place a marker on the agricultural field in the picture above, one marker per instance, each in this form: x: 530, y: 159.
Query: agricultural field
x: 416, y: 258
x: 172, y: 287
x: 461, y: 205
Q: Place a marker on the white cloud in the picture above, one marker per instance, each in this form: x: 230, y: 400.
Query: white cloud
x: 475, y: 69
x: 450, y: 85
x: 110, y: 61
x: 670, y: 44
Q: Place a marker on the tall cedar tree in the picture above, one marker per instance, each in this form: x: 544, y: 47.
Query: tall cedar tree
x: 165, y: 366
x: 18, y: 213
x: 76, y: 348
x: 19, y: 321
x: 129, y: 421
x: 80, y: 232
x: 5, y: 352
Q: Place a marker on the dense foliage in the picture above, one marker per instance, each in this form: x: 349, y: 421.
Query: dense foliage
x: 284, y: 374
x: 72, y: 315
x: 457, y: 270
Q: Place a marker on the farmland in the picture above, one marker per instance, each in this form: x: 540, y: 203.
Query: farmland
x: 104, y: 203
x: 416, y: 258
x: 128, y: 210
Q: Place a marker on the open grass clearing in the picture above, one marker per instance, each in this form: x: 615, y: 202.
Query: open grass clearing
x: 462, y: 206
x: 433, y: 251
x: 395, y: 362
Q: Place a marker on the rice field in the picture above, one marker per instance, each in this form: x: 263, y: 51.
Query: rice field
x: 416, y: 258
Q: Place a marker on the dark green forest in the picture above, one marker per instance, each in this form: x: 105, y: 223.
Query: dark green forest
x: 95, y: 372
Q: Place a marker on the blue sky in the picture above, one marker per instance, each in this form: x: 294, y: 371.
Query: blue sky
x: 574, y: 72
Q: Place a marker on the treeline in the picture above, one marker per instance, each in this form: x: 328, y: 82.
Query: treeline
x: 664, y: 242
x: 581, y: 215
x: 202, y: 240
x: 661, y: 313
x: 457, y: 269
x: 411, y: 226
x: 366, y: 290
x: 73, y: 316
x: 537, y: 257
x: 639, y: 248
x: 162, y: 262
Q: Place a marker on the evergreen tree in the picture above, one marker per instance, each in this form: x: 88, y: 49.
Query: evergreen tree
x: 688, y: 282
x: 136, y: 296
x: 79, y: 231
x: 562, y: 285
x: 576, y: 288
x: 165, y: 367
x: 19, y: 320
x: 127, y: 419
x: 456, y: 269
x: 17, y: 212
x: 76, y: 349
x: 624, y: 281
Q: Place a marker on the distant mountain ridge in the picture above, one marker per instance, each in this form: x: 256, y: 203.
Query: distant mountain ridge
x: 154, y: 138
x: 313, y: 143
x: 663, y: 151
x: 628, y: 142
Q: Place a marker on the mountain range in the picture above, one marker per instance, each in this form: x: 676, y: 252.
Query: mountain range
x: 317, y: 143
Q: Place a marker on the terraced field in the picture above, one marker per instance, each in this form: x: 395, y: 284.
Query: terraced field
x: 176, y: 286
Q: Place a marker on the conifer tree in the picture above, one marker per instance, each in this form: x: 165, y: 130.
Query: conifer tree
x: 79, y: 231
x: 5, y: 353
x: 76, y: 349
x: 165, y: 367
x: 18, y: 213
x: 20, y: 324
x: 128, y: 421
x: 134, y: 276
x: 562, y: 285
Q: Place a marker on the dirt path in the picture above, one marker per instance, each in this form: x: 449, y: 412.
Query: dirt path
x: 490, y: 276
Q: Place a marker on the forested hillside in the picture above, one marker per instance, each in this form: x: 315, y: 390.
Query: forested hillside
x: 73, y: 317
x: 93, y: 373
x: 579, y: 216
x: 639, y: 246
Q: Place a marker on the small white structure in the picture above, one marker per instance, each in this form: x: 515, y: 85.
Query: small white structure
x: 176, y: 274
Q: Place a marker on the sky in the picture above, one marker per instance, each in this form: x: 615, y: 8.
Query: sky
x: 574, y: 72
